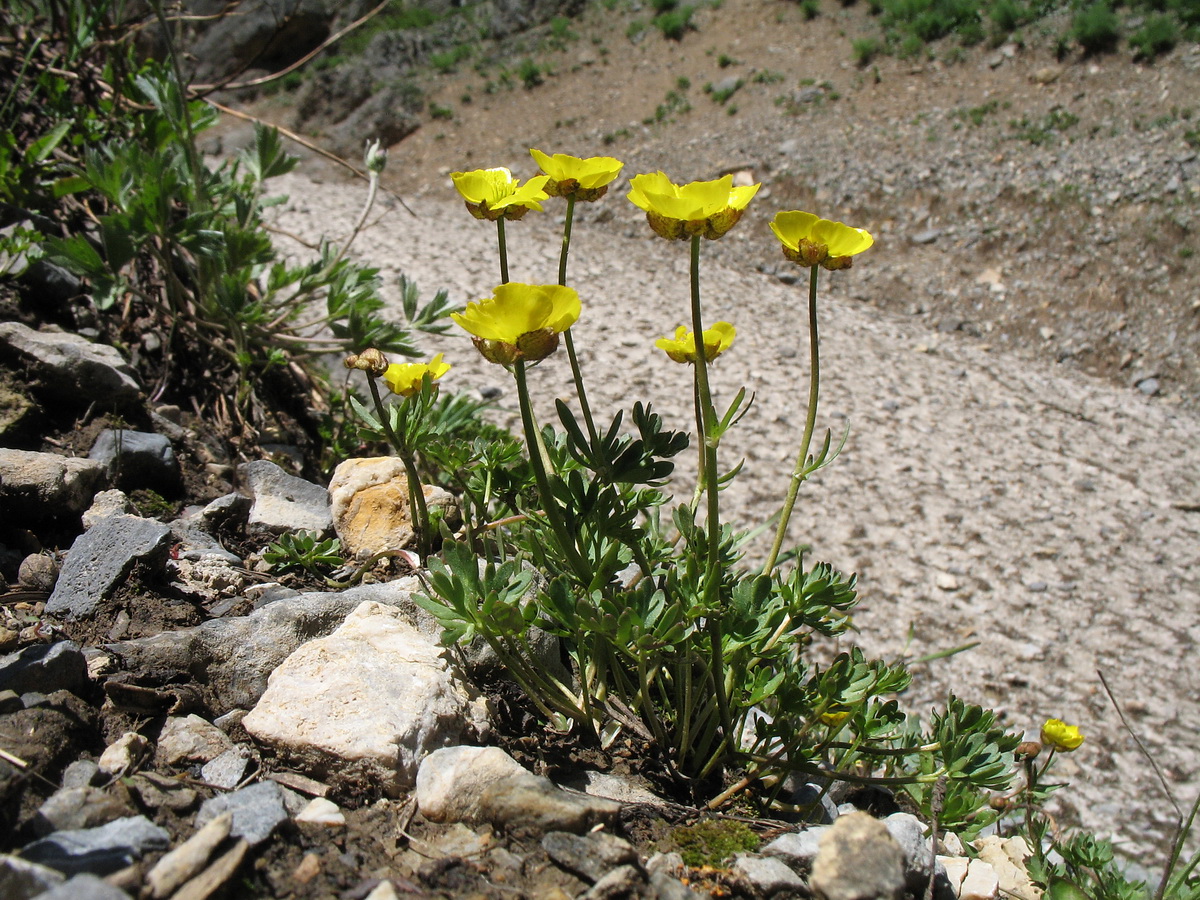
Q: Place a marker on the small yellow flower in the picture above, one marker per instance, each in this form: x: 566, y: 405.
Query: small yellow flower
x: 1058, y: 735
x: 584, y: 179
x: 520, y: 321
x: 810, y: 240
x: 677, y: 212
x: 405, y: 379
x: 834, y: 718
x: 682, y: 348
x: 492, y: 193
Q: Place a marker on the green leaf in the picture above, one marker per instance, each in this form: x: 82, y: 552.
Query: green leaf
x: 1062, y: 889
x: 44, y: 146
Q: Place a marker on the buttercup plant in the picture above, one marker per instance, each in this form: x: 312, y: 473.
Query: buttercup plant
x: 670, y: 638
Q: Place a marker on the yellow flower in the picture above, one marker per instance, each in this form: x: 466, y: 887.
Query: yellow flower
x: 810, y: 240
x: 677, y: 212
x: 570, y: 176
x: 492, y: 193
x: 520, y: 321
x: 682, y: 348
x: 1058, y: 735
x: 405, y: 379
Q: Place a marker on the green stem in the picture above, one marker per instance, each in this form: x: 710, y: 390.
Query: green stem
x: 712, y: 576
x: 576, y: 372
x: 814, y: 390
x: 503, y: 246
x: 549, y: 504
x: 416, y: 495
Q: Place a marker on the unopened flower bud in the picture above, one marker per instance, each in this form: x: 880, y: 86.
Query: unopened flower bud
x: 1000, y: 803
x: 371, y: 361
x: 375, y: 157
x: 1028, y: 750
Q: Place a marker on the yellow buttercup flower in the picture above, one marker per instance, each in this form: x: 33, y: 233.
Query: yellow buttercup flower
x: 520, y: 321
x: 584, y: 179
x: 1058, y: 735
x: 405, y: 379
x: 810, y: 240
x: 678, y: 212
x: 495, y: 193
x: 682, y: 347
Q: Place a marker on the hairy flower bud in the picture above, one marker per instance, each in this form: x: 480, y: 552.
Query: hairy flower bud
x: 376, y: 157
x: 1028, y: 750
x: 371, y: 361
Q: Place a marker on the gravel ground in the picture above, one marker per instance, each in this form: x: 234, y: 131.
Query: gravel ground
x: 1015, y: 359
x: 982, y: 496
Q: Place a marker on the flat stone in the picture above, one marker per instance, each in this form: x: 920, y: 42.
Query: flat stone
x: 124, y: 754
x: 21, y: 879
x: 98, y: 851
x: 797, y: 848
x: 233, y: 657
x: 45, y: 668
x: 84, y: 887
x: 188, y: 858
x: 283, y: 502
x: 137, y: 459
x: 227, y: 770
x: 189, y: 739
x: 257, y: 811
x: 76, y: 808
x: 46, y: 486
x: 589, y: 856
x: 99, y: 561
x: 530, y: 804
x: 767, y: 873
x: 369, y: 701
x: 71, y: 369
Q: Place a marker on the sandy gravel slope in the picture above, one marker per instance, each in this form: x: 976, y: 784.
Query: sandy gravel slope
x: 980, y: 497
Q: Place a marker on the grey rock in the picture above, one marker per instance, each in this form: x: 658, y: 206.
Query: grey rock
x: 918, y: 860
x: 858, y: 860
x: 232, y: 658
x: 21, y: 879
x: 84, y: 887
x: 71, y: 369
x: 231, y: 509
x: 227, y: 770
x: 100, y: 559
x: 619, y: 884
x: 257, y: 811
x: 768, y: 874
x: 45, y: 486
x: 189, y: 739
x: 927, y: 236
x: 271, y: 34
x: 797, y: 848
x: 589, y: 856
x: 531, y: 804
x: 667, y: 887
x: 1148, y: 386
x: 137, y: 459
x: 45, y: 668
x: 76, y: 808
x: 81, y: 773
x: 808, y: 94
x: 283, y: 502
x: 98, y: 851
